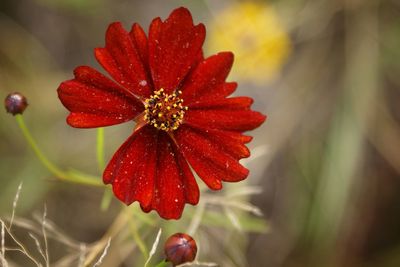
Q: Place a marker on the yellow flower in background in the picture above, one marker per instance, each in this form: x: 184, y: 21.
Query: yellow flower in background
x: 256, y: 36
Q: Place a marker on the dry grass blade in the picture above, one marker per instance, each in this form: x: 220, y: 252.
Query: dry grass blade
x: 3, y: 260
x: 95, y: 249
x: 256, y: 153
x: 51, y: 230
x: 38, y: 246
x: 246, y: 207
x: 154, y: 247
x: 2, y: 239
x: 14, y: 206
x: 245, y: 191
x: 21, y: 246
x: 233, y: 218
x: 100, y: 260
x: 235, y: 204
x: 82, y: 255
x: 66, y: 261
x: 46, y: 246
x: 196, y: 220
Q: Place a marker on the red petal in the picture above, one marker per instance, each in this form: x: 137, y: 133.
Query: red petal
x: 121, y: 59
x: 232, y: 143
x: 241, y: 102
x: 139, y: 39
x: 169, y: 198
x: 85, y: 120
x: 155, y: 29
x: 221, y: 91
x: 231, y: 120
x: 209, y: 74
x: 192, y: 192
x: 90, y: 76
x: 175, y: 184
x: 147, y: 168
x: 132, y: 168
x: 96, y: 101
x: 174, y: 47
x: 211, y: 163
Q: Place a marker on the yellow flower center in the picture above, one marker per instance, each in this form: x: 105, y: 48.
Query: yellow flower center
x: 164, y: 111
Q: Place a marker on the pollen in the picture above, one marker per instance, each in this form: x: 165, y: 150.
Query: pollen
x: 164, y: 111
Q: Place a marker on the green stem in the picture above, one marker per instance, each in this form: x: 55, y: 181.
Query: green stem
x: 60, y: 174
x: 106, y: 199
x: 47, y: 163
x: 107, y: 195
x: 83, y: 178
x: 163, y: 264
x: 100, y: 149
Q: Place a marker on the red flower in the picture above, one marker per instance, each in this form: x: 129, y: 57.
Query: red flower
x: 180, y: 104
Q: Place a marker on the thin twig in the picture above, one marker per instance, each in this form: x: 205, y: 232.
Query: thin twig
x: 38, y: 246
x: 46, y: 246
x: 23, y: 249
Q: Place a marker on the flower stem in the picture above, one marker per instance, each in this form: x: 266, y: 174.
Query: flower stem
x: 107, y: 195
x: 70, y: 176
x: 163, y: 264
x: 31, y: 141
x: 106, y: 199
x: 100, y: 149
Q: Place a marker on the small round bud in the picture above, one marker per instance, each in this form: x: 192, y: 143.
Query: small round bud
x: 15, y: 103
x: 180, y: 248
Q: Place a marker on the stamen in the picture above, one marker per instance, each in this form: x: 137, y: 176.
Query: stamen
x: 163, y: 111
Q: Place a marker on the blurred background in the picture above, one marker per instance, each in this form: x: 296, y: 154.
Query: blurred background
x: 327, y: 74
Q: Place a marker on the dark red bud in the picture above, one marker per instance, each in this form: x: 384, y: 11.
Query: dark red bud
x: 15, y: 103
x: 180, y: 248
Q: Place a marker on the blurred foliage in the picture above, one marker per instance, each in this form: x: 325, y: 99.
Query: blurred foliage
x: 257, y: 37
x: 73, y: 5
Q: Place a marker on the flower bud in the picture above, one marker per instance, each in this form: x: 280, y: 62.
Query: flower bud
x: 15, y: 103
x: 180, y: 248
